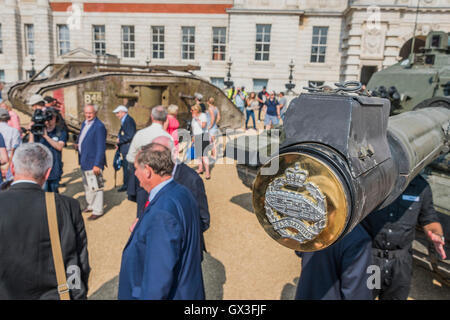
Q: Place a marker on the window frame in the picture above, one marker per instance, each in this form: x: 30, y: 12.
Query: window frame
x: 132, y: 35
x: 1, y: 40
x: 221, y: 46
x: 27, y: 27
x: 102, y: 42
x: 218, y: 82
x: 59, y: 40
x: 160, y: 52
x: 189, y: 44
x: 263, y: 42
x: 319, y: 46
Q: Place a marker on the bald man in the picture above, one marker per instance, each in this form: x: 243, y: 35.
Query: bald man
x: 143, y: 137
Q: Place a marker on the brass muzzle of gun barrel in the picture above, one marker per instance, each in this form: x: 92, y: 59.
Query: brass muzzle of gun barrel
x: 304, y: 205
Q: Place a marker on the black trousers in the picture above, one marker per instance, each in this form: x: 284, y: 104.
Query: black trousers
x: 125, y: 169
x: 396, y: 274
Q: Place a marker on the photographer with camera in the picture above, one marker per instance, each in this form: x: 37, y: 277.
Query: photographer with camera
x: 47, y: 131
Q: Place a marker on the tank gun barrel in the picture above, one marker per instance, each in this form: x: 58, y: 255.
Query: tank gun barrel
x: 342, y: 158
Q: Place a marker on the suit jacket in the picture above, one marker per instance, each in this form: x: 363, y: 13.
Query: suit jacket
x: 26, y: 269
x: 187, y: 177
x: 162, y: 259
x: 126, y: 134
x: 93, y: 146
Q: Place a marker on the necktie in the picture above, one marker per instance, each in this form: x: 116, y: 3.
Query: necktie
x: 146, y: 204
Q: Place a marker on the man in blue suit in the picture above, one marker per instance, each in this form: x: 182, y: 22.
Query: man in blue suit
x: 125, y: 136
x: 91, y: 145
x: 162, y: 259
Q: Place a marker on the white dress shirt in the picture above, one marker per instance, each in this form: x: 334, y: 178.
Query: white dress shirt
x: 144, y: 137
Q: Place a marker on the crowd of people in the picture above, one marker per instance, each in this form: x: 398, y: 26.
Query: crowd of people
x: 162, y: 258
x: 271, y: 105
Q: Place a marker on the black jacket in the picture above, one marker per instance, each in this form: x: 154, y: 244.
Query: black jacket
x: 126, y: 134
x: 26, y: 261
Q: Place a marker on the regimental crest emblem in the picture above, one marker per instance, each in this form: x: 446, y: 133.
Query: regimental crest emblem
x: 295, y: 207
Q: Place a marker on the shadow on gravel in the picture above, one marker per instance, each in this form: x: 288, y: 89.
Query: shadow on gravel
x: 288, y: 292
x: 213, y: 276
x: 108, y: 291
x: 244, y: 200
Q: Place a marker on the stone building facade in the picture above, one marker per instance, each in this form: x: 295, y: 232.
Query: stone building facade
x: 327, y: 40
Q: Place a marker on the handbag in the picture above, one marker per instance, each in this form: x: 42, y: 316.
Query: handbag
x: 191, y: 154
x: 63, y: 288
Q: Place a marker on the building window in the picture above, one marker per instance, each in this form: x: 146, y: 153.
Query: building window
x: 63, y: 39
x: 128, y: 41
x: 158, y: 42
x: 218, y: 82
x: 2, y: 75
x: 1, y: 41
x: 319, y: 44
x: 262, y: 42
x: 30, y: 74
x: 259, y: 84
x: 29, y: 39
x: 99, y: 40
x: 188, y: 43
x: 219, y: 43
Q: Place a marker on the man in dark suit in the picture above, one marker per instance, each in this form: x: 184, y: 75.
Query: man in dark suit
x: 162, y: 259
x: 91, y: 145
x: 27, y: 269
x: 125, y: 136
x: 189, y: 178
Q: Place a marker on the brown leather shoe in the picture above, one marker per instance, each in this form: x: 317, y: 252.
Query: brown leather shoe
x: 93, y: 217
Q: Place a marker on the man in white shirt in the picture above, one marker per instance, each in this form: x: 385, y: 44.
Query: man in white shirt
x: 146, y: 135
x: 143, y: 137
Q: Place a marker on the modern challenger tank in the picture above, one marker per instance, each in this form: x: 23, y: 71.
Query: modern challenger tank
x: 75, y: 84
x: 423, y: 81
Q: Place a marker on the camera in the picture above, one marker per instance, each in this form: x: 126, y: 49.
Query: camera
x: 39, y: 118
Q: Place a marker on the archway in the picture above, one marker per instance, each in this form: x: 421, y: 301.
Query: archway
x: 406, y: 48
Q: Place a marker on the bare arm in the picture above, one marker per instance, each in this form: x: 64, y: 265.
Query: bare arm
x: 58, y: 145
x: 3, y: 156
x: 218, y: 116
x: 211, y: 114
x: 434, y: 231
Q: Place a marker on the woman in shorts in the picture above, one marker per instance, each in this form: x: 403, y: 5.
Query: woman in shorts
x: 200, y: 139
x: 213, y: 116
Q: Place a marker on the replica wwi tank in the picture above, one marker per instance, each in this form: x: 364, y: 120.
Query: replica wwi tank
x: 423, y: 81
x: 338, y: 157
x: 75, y: 84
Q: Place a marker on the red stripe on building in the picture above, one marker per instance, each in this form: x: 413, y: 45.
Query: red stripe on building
x: 60, y: 6
x: 146, y: 7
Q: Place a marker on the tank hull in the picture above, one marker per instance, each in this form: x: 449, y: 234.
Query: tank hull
x: 139, y: 91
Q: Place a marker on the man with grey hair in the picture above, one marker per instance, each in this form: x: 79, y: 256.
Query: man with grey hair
x: 27, y: 271
x: 162, y: 259
x: 142, y: 138
x: 91, y: 146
